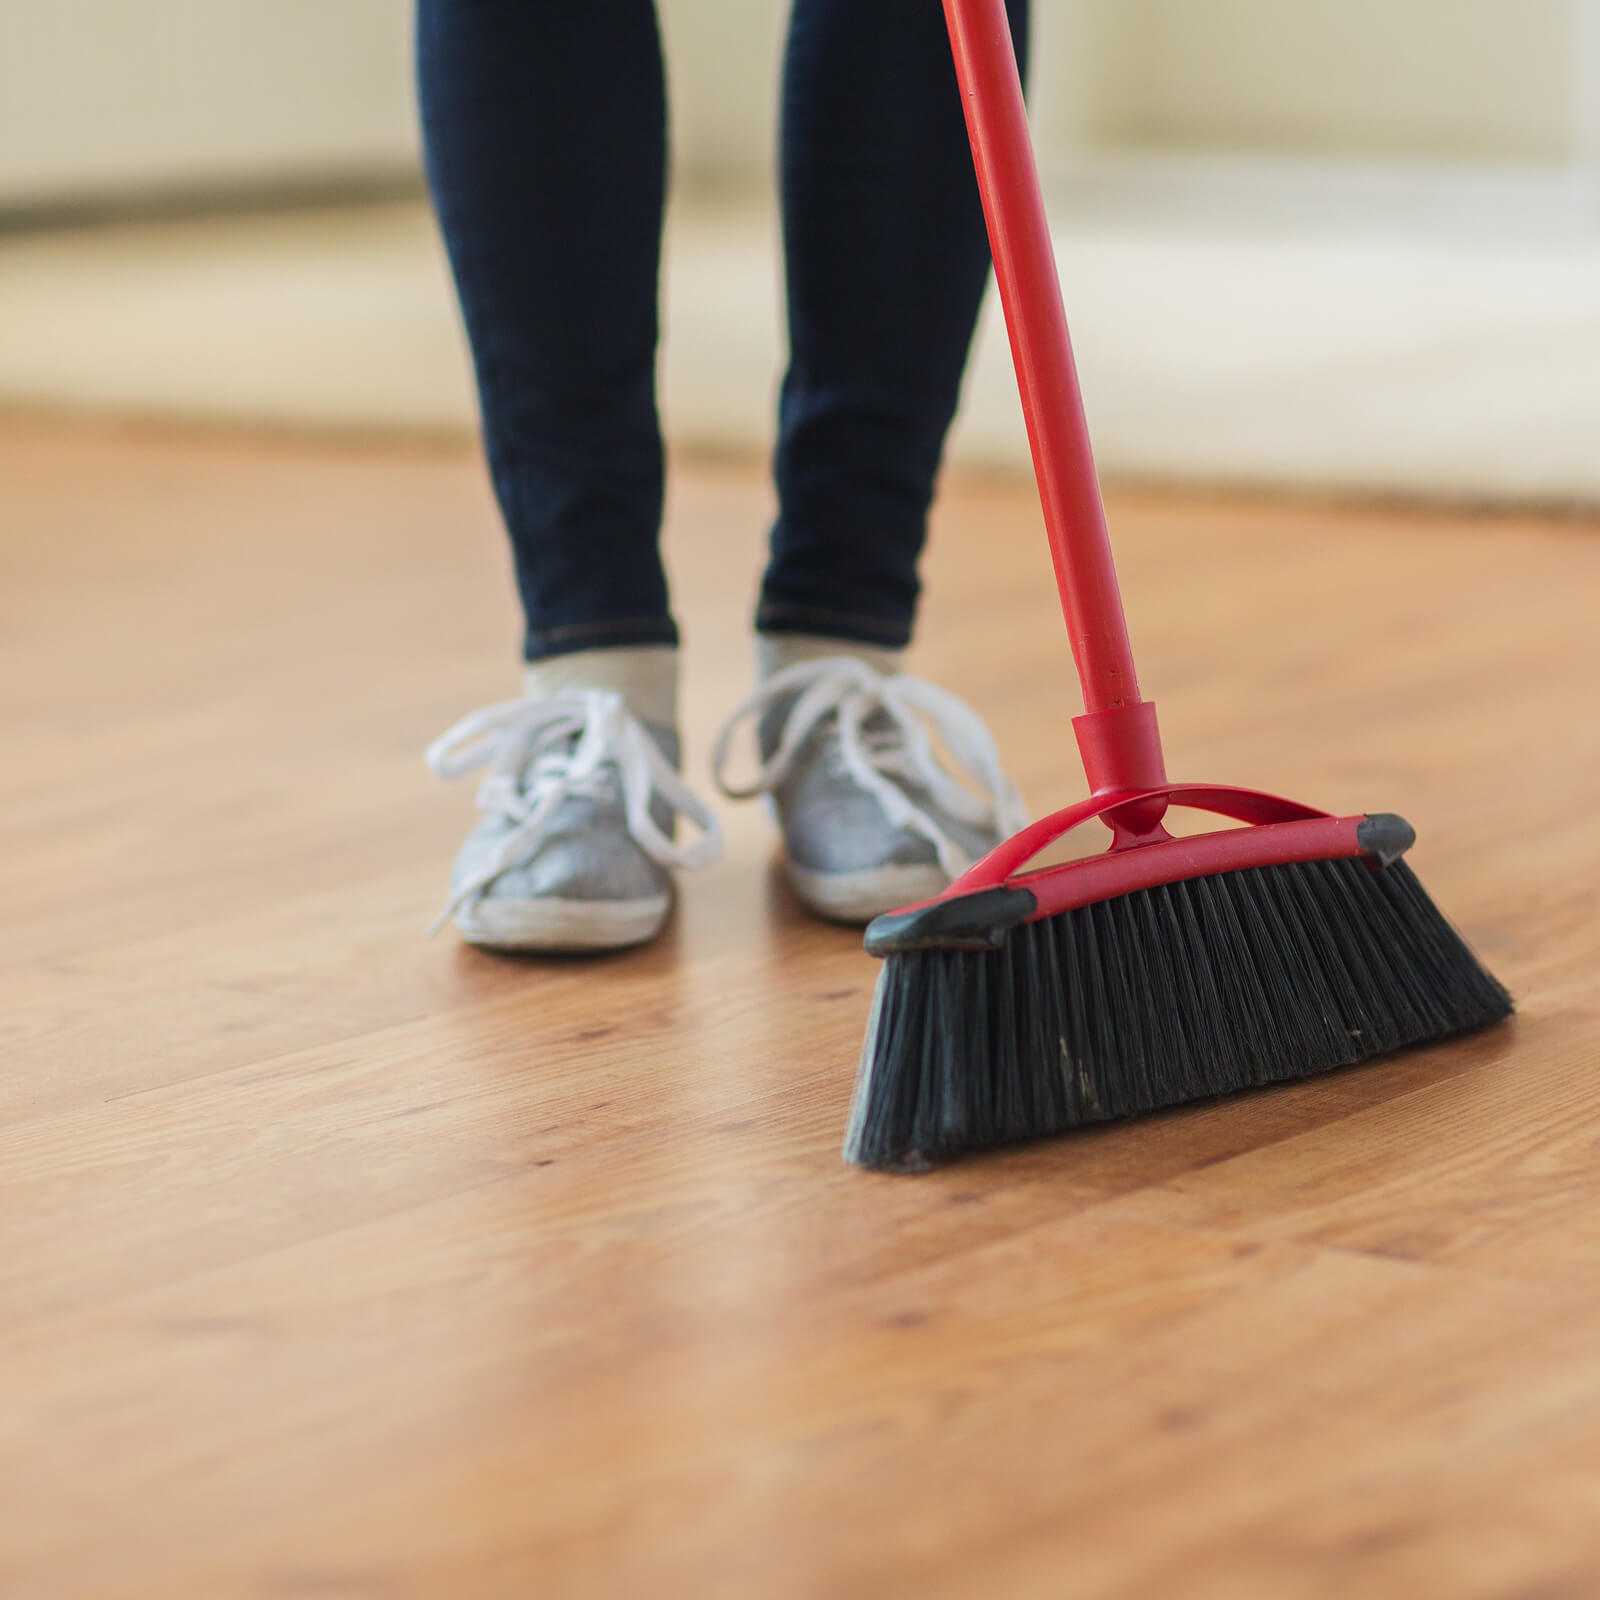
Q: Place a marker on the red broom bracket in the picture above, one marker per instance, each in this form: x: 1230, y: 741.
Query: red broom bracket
x: 1121, y: 748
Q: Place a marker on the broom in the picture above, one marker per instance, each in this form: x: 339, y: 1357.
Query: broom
x: 1163, y: 970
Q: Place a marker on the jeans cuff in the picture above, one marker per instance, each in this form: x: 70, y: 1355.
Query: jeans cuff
x: 886, y: 633
x: 564, y: 640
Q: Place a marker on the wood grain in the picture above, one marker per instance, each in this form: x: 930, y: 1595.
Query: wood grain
x: 337, y: 1262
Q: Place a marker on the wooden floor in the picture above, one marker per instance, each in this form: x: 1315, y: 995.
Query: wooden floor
x: 336, y: 1262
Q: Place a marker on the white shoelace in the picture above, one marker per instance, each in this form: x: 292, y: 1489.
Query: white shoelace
x: 534, y: 766
x: 874, y: 757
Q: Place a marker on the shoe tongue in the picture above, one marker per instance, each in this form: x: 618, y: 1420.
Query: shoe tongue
x: 566, y: 744
x: 557, y: 741
x: 879, y: 728
x: 547, y: 748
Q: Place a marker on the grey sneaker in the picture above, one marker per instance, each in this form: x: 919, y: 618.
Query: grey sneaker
x: 871, y: 818
x: 575, y: 848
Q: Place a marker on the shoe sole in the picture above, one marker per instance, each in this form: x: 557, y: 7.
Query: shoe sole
x: 563, y: 925
x: 857, y: 897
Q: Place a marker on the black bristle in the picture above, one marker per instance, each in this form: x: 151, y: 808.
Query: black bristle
x: 1177, y: 993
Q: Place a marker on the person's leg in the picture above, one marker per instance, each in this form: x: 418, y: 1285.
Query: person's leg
x: 887, y: 260
x: 544, y: 129
x: 545, y: 134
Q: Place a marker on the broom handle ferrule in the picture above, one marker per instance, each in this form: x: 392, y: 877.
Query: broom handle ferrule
x: 1030, y: 293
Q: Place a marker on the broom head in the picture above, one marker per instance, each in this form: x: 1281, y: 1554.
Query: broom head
x: 1024, y: 1003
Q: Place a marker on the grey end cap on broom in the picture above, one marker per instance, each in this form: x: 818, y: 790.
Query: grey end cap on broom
x: 1385, y: 837
x: 978, y: 921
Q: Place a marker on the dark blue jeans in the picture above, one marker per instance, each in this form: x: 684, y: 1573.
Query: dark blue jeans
x: 544, y: 124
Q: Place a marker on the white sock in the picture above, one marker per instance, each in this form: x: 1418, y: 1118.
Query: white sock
x: 646, y: 676
x: 775, y: 651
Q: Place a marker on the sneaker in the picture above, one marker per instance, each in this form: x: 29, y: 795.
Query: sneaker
x: 575, y: 848
x: 871, y: 818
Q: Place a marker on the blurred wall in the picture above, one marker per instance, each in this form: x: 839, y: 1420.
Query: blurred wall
x: 1450, y: 80
x: 111, y: 98
x: 723, y: 64
x: 1488, y: 80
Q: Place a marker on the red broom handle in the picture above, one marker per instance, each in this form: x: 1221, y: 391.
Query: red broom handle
x: 1030, y: 293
